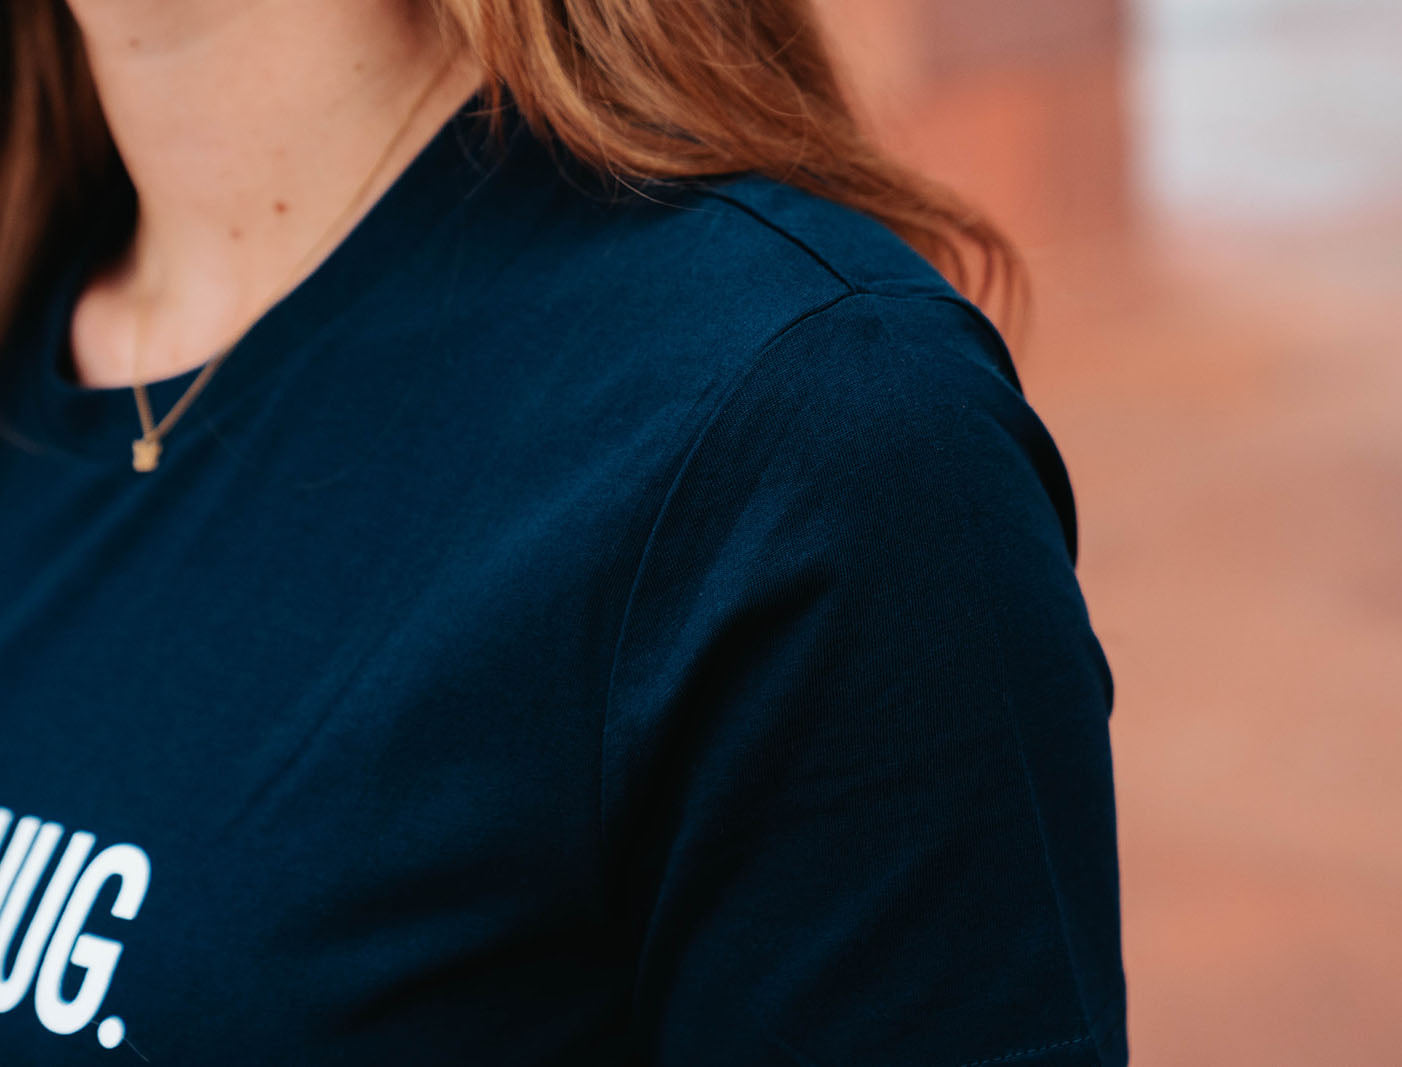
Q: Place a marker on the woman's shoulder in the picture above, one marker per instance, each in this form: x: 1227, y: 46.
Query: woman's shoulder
x: 857, y: 595
x: 748, y: 236
x: 857, y: 250
x: 862, y: 318
x: 803, y: 323
x: 722, y: 270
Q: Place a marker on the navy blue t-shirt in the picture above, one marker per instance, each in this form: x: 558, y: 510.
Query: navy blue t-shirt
x: 569, y: 628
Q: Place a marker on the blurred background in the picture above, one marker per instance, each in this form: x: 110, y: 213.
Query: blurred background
x: 1209, y: 196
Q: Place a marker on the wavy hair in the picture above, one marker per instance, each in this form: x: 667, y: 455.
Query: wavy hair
x: 649, y: 90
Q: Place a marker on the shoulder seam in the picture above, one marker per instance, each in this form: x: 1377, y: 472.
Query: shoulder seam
x: 719, y: 406
x: 787, y: 234
x: 1002, y: 354
x: 731, y: 389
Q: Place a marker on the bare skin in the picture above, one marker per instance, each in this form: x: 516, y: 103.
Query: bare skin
x: 247, y: 129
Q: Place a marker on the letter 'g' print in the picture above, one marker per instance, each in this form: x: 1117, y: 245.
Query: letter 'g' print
x: 53, y: 940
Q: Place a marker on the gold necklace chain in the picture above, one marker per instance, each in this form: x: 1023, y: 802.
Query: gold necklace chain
x: 146, y: 449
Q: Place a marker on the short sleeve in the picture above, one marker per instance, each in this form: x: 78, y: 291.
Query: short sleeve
x: 857, y: 794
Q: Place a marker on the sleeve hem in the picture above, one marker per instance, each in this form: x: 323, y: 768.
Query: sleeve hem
x: 1010, y: 1057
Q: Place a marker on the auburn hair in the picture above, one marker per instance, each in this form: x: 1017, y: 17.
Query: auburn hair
x: 636, y: 90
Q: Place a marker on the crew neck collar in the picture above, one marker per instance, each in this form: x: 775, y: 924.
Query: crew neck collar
x: 458, y: 171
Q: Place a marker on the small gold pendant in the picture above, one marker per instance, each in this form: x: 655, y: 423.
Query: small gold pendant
x: 145, y: 451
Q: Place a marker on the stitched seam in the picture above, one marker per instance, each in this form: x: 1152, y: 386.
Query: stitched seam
x: 684, y: 467
x: 792, y: 238
x: 1029, y: 1051
x: 730, y: 391
x: 1000, y: 346
x: 1002, y: 355
x: 742, y: 376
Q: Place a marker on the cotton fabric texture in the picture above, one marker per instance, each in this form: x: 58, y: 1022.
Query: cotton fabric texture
x: 570, y: 628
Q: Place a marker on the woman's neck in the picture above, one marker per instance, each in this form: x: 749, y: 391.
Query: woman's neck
x: 247, y: 129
